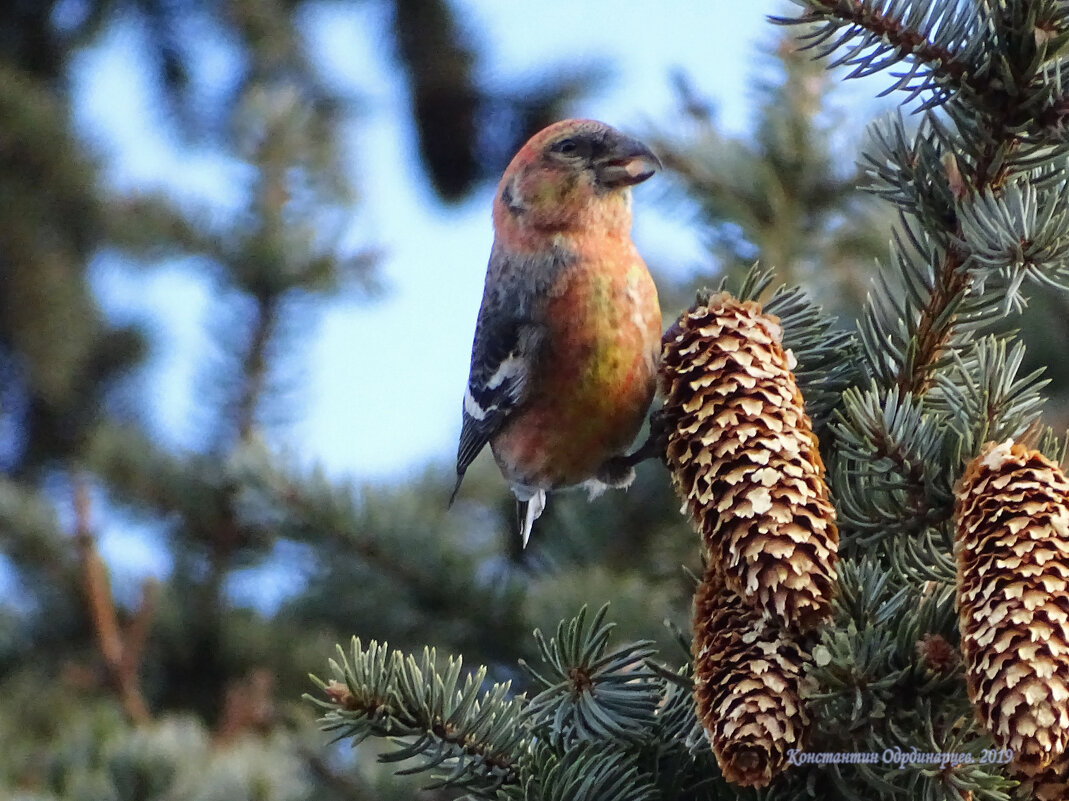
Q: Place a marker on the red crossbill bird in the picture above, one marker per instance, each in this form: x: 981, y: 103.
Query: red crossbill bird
x: 564, y: 362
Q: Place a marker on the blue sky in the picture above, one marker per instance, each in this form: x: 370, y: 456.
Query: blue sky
x: 376, y: 398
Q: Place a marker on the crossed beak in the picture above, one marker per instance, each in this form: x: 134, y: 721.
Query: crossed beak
x: 628, y: 162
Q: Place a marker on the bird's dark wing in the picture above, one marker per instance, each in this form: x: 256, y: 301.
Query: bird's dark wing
x: 502, y: 359
x: 509, y: 337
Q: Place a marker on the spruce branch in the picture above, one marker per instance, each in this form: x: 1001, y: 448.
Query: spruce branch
x: 592, y: 772
x: 858, y: 685
x: 995, y: 58
x: 588, y: 692
x: 609, y: 723
x: 676, y: 721
x: 147, y: 225
x: 923, y: 298
x: 31, y: 536
x: 940, y: 42
x: 1051, y: 122
x: 993, y: 70
x: 933, y: 669
x: 890, y: 478
x: 468, y: 736
x: 309, y: 507
x: 1020, y: 233
x: 983, y: 397
x: 924, y: 557
x: 868, y: 594
x: 889, y: 676
x: 935, y: 324
x: 375, y: 535
x: 956, y: 779
x: 1054, y: 445
x: 917, y: 169
x: 871, y: 668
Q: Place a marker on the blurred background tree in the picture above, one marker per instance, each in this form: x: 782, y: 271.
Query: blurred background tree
x: 198, y: 675
x: 174, y: 688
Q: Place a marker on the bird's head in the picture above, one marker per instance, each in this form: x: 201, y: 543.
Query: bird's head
x: 575, y: 174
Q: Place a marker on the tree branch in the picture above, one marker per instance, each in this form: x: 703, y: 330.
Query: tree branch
x: 255, y: 364
x: 122, y: 659
x: 906, y: 42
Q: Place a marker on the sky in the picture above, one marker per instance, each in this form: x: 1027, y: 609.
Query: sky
x: 376, y: 399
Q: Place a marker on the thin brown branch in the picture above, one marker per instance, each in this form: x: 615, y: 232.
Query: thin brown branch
x: 931, y: 337
x: 254, y: 366
x: 120, y: 665
x: 934, y: 327
x: 137, y: 630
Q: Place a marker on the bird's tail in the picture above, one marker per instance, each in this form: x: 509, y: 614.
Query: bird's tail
x: 456, y: 489
x: 529, y: 511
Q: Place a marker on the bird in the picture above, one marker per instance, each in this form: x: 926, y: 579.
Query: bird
x: 567, y: 340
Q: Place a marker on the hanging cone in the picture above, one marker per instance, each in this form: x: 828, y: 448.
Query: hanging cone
x: 1044, y: 784
x: 1012, y: 550
x: 744, y: 458
x: 747, y: 673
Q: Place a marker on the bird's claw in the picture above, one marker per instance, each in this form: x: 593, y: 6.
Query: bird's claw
x: 619, y: 470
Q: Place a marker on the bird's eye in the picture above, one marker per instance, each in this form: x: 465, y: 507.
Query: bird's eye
x: 566, y: 147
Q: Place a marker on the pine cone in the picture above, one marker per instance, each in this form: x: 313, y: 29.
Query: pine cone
x: 747, y: 673
x: 743, y: 456
x: 1044, y: 784
x: 1012, y: 550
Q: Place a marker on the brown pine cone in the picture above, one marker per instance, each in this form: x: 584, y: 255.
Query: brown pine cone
x: 747, y: 674
x: 1012, y: 550
x: 744, y: 458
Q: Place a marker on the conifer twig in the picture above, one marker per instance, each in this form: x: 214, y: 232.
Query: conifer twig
x: 414, y: 722
x: 903, y: 40
x: 471, y: 734
x: 934, y: 327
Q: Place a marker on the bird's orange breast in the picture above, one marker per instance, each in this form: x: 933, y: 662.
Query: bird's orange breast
x: 596, y: 375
